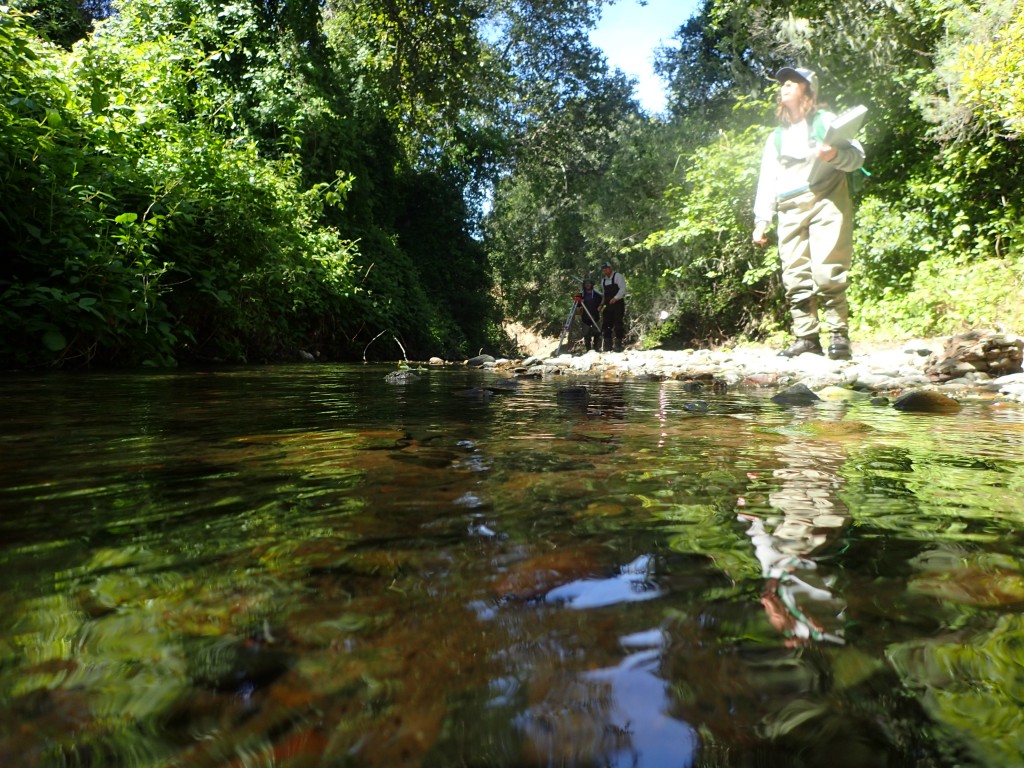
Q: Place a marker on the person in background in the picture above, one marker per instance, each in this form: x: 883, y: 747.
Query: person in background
x: 590, y: 315
x: 613, y: 289
x: 815, y: 220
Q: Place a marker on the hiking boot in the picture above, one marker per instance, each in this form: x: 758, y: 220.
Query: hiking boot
x: 839, y: 349
x: 800, y: 346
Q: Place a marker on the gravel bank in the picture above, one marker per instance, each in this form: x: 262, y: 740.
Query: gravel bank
x: 884, y: 371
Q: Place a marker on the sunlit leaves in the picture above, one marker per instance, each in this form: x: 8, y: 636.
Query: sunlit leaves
x: 992, y: 77
x: 159, y: 181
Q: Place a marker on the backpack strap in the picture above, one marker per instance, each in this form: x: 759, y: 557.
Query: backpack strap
x: 855, y: 179
x: 818, y: 124
x: 817, y: 130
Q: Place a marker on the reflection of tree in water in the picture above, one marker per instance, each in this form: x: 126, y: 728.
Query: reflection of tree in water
x: 607, y: 400
x: 614, y: 716
x: 613, y: 713
x: 567, y: 720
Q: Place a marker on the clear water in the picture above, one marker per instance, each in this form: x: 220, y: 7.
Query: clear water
x: 308, y: 566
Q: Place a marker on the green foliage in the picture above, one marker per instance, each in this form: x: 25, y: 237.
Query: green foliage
x: 190, y: 183
x: 197, y: 181
x: 62, y: 22
x: 720, y: 281
x: 890, y: 242
x: 171, y: 238
x: 946, y: 295
x: 992, y: 75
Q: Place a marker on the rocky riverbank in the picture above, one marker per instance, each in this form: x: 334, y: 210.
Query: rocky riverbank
x: 979, y: 363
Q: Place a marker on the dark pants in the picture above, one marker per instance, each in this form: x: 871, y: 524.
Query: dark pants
x: 591, y: 335
x: 612, y: 324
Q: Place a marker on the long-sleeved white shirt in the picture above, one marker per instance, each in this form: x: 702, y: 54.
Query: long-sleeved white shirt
x: 788, y: 171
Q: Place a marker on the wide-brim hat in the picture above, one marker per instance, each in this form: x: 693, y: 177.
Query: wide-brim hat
x: 799, y: 73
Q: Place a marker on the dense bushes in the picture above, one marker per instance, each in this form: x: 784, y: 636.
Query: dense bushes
x: 189, y: 184
x: 140, y: 231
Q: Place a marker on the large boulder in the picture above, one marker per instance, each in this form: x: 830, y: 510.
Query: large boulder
x: 990, y: 352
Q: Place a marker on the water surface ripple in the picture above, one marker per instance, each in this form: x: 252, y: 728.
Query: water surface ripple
x: 308, y: 566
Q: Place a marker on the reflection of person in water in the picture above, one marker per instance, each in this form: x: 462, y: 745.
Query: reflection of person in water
x: 796, y: 598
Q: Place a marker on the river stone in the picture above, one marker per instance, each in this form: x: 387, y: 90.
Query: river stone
x: 401, y: 377
x: 798, y: 394
x: 573, y: 394
x: 581, y: 364
x: 479, y: 361
x: 1013, y: 390
x: 840, y: 394
x: 909, y: 382
x: 875, y: 381
x: 926, y: 401
x: 476, y: 393
x: 917, y: 347
x: 995, y: 353
x: 819, y: 381
x: 763, y: 379
x: 974, y: 381
x: 1013, y: 378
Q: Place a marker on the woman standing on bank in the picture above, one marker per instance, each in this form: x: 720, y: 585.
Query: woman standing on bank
x: 803, y: 182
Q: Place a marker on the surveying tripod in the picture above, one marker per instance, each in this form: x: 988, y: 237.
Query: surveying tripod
x: 577, y: 303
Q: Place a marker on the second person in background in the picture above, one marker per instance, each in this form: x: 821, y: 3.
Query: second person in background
x: 613, y: 327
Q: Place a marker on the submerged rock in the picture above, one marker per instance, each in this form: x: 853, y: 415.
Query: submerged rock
x: 476, y: 393
x: 798, y: 394
x: 841, y: 394
x: 573, y: 394
x: 402, y: 377
x: 926, y: 401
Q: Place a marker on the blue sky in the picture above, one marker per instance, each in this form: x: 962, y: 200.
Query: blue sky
x: 629, y: 33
